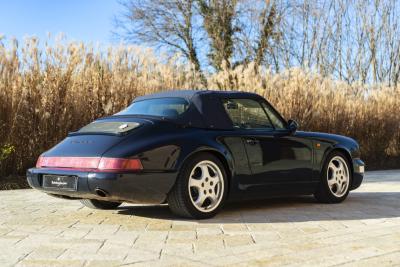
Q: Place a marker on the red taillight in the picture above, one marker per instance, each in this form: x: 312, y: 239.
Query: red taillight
x: 120, y: 164
x: 39, y: 162
x: 91, y: 163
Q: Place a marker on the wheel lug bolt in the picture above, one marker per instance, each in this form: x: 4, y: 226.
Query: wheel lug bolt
x: 202, y: 185
x: 211, y: 183
x: 210, y: 191
x: 206, y: 179
x: 205, y: 191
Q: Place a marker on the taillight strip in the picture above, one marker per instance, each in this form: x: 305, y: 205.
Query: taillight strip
x: 68, y: 162
x: 94, y: 163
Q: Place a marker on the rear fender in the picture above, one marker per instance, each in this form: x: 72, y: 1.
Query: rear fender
x: 221, y: 152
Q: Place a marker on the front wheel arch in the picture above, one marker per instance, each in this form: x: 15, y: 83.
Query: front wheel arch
x: 344, y: 151
x: 323, y: 193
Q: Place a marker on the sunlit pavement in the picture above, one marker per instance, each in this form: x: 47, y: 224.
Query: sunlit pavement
x: 38, y: 230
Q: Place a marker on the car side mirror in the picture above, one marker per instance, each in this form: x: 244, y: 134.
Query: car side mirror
x: 292, y: 126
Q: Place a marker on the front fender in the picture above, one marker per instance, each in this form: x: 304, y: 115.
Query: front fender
x: 356, y: 164
x: 335, y: 147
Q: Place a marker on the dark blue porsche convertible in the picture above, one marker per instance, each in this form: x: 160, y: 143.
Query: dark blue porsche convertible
x: 195, y: 150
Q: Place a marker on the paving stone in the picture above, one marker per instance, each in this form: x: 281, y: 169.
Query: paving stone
x: 136, y: 256
x: 183, y: 235
x: 45, y: 252
x: 103, y: 263
x: 48, y: 262
x: 238, y: 240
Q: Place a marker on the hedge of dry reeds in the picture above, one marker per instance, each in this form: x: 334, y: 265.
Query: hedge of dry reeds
x: 47, y: 92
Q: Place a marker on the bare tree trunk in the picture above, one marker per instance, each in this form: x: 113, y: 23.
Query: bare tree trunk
x: 218, y: 16
x: 161, y: 23
x: 267, y: 22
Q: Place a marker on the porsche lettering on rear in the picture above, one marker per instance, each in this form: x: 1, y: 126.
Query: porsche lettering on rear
x: 81, y: 142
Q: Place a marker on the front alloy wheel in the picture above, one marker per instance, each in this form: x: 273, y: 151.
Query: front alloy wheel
x: 336, y: 179
x: 338, y: 176
x: 200, y: 189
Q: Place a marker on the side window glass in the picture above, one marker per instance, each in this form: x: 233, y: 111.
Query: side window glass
x: 246, y: 114
x: 276, y: 121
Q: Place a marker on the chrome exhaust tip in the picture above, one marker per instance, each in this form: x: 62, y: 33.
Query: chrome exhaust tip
x: 100, y: 192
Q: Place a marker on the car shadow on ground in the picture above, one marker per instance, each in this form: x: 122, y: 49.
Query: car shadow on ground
x: 358, y: 206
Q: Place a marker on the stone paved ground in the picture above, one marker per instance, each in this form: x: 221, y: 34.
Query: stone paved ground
x: 38, y: 230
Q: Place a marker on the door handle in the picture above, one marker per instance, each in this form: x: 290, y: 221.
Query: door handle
x: 251, y: 141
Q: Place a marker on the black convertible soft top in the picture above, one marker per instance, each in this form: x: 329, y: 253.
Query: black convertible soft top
x: 205, y: 108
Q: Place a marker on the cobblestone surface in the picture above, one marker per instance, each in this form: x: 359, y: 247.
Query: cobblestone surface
x: 38, y: 230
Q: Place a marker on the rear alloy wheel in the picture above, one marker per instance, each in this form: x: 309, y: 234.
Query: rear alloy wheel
x: 206, y: 186
x: 200, y: 189
x: 335, y: 184
x: 100, y: 204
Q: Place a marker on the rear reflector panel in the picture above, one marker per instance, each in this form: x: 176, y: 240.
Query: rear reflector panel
x: 91, y: 163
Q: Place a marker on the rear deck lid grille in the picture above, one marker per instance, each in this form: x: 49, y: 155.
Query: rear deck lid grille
x: 108, y: 127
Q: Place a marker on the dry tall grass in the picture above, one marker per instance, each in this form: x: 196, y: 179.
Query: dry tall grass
x: 45, y: 93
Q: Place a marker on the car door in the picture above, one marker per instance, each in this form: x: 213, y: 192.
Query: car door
x: 274, y: 155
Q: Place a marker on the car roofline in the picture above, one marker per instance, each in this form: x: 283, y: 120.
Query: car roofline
x: 189, y: 94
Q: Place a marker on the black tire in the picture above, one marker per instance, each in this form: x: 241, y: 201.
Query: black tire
x: 100, y: 204
x: 324, y: 193
x: 179, y: 200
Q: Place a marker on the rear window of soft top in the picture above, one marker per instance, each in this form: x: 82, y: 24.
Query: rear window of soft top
x: 111, y: 127
x: 170, y: 107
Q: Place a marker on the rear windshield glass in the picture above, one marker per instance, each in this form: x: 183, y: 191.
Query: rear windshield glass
x: 109, y: 127
x: 170, y: 107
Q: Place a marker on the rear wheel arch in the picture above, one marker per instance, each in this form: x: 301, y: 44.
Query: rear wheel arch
x: 215, y: 153
x: 223, y: 160
x: 219, y: 155
x: 180, y: 200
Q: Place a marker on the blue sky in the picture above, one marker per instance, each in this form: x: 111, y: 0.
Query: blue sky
x: 83, y: 20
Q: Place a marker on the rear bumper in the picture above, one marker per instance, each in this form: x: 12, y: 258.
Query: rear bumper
x: 149, y: 188
x: 358, y: 173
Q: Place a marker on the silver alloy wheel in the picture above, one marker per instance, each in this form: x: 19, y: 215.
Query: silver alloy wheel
x: 206, y: 186
x: 338, y: 176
